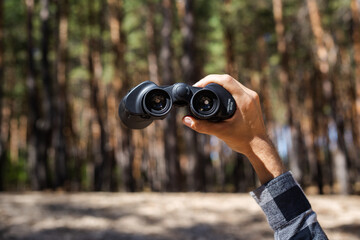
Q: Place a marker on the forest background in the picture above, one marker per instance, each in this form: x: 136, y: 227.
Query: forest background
x: 66, y: 64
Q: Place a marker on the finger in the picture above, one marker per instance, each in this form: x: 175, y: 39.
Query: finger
x: 206, y: 80
x: 212, y: 78
x: 226, y: 81
x: 202, y: 126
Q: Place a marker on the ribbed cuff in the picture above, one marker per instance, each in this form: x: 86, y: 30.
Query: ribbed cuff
x: 281, y: 199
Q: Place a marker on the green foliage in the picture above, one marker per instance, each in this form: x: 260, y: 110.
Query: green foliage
x: 16, y: 173
x: 134, y: 28
x: 215, y: 48
x: 209, y: 36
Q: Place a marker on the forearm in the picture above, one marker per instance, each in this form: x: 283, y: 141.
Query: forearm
x: 265, y: 159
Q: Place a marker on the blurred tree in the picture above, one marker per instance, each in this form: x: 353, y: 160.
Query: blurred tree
x: 98, y: 127
x: 173, y: 179
x: 151, y: 37
x: 229, y: 35
x: 356, y: 40
x: 36, y: 157
x: 47, y: 102
x: 61, y: 124
x: 355, y: 9
x: 286, y: 80
x: 2, y: 147
x: 325, y: 97
x: 121, y: 83
x: 196, y: 162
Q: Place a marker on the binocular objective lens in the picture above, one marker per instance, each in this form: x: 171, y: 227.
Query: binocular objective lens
x: 157, y: 102
x: 205, y: 104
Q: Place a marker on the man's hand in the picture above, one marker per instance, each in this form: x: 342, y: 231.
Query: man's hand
x: 245, y: 132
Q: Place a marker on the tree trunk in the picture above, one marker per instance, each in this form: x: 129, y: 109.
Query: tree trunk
x: 196, y: 161
x: 124, y: 152
x: 101, y: 157
x: 356, y: 40
x: 243, y: 174
x: 319, y: 120
x: 2, y: 147
x: 98, y: 128
x: 62, y: 105
x: 356, y: 107
x: 188, y: 32
x: 48, y: 101
x: 173, y: 179
x: 229, y: 36
x: 327, y: 95
x: 150, y: 35
x: 36, y: 163
x: 155, y: 146
x: 264, y: 90
x: 37, y: 125
x: 286, y: 79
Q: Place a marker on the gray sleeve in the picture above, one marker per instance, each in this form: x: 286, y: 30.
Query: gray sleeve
x: 287, y: 209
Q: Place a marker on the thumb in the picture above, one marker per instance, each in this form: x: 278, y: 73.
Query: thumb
x: 201, y: 126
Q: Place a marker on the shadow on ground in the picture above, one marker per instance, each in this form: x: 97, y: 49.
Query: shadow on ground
x: 350, y: 229
x: 97, y: 216
x: 196, y: 232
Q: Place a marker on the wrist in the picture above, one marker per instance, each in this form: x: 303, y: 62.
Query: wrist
x: 264, y: 158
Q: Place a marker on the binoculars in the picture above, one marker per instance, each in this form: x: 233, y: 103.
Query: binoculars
x: 148, y: 101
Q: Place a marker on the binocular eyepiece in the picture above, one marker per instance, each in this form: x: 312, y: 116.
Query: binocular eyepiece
x: 147, y: 102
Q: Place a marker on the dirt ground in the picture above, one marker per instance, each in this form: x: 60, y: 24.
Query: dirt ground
x: 145, y: 216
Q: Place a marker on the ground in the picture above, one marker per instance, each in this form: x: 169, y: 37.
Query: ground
x: 156, y: 216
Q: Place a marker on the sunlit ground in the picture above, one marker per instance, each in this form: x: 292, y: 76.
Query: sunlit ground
x: 148, y: 216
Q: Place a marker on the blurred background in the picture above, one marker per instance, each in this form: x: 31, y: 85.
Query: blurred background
x: 66, y: 64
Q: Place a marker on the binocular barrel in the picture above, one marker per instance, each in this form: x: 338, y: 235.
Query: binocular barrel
x: 147, y: 102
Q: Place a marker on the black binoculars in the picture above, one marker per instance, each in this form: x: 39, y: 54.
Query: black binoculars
x: 148, y: 101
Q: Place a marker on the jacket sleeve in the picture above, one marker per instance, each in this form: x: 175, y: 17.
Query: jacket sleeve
x: 287, y: 209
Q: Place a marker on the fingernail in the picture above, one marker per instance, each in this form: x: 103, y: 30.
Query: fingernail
x: 187, y: 121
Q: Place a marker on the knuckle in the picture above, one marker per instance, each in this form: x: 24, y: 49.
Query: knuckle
x: 256, y: 97
x: 227, y: 78
x: 200, y: 127
x: 195, y: 127
x: 211, y: 76
x: 252, y: 100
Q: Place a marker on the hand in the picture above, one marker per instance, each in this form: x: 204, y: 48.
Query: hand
x: 245, y: 132
x: 247, y: 122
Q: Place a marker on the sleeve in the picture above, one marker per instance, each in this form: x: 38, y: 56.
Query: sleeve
x: 287, y: 209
